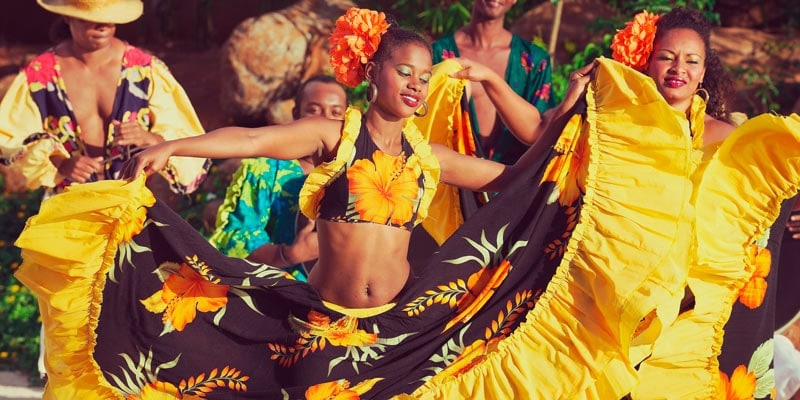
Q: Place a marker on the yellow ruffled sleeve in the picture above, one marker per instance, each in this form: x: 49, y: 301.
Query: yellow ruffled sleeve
x: 19, y: 119
x: 314, y: 187
x: 175, y: 118
x: 440, y: 125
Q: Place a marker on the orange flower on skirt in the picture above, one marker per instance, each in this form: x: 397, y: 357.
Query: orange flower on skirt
x: 753, y: 292
x: 741, y: 386
x: 183, y: 294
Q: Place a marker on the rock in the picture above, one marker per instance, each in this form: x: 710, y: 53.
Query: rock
x: 267, y: 57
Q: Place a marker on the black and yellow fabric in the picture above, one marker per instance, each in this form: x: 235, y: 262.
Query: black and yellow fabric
x: 447, y: 123
x: 554, y: 290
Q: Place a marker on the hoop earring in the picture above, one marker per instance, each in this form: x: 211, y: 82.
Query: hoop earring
x: 703, y: 93
x: 425, y: 107
x: 372, y: 92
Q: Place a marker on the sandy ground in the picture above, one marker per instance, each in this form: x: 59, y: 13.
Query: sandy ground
x: 14, y: 386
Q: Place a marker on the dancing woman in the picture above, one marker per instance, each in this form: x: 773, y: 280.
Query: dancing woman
x: 553, y: 290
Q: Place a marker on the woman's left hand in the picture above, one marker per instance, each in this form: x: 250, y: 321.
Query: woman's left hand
x: 576, y: 88
x: 130, y: 133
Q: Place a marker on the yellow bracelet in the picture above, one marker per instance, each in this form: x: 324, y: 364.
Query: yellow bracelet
x: 283, y: 256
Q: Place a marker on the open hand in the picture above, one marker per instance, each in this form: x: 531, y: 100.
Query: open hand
x: 474, y: 71
x: 149, y: 161
x: 576, y: 87
x: 130, y: 133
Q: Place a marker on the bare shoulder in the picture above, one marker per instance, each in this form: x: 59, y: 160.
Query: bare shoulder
x: 716, y: 130
x: 328, y: 131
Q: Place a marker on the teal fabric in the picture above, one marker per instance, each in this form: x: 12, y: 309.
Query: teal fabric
x: 260, y: 208
x: 528, y: 72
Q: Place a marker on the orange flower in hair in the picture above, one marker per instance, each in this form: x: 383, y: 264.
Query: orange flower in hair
x: 354, y: 41
x: 633, y: 44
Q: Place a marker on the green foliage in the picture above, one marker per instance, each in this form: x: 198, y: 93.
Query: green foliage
x: 357, y: 96
x: 19, y: 312
x: 631, y: 7
x: 764, y: 78
x: 579, y: 59
x: 437, y: 18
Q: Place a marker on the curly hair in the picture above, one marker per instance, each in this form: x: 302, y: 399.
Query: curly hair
x: 396, y: 37
x: 717, y: 80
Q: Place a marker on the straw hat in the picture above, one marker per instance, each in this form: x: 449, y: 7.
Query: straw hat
x: 104, y: 11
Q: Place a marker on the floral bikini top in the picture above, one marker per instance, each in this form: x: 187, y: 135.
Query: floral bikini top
x: 364, y: 184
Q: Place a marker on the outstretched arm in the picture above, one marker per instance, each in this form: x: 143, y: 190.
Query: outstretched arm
x: 307, y: 136
x: 488, y: 176
x: 523, y: 119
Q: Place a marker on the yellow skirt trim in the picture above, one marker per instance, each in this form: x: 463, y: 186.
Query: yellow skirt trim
x: 739, y: 195
x: 627, y: 257
x: 67, y: 271
x: 359, y: 312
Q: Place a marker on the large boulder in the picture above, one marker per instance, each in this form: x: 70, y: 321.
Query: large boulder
x: 267, y: 57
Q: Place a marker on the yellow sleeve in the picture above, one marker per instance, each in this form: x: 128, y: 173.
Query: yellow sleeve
x: 174, y: 118
x: 19, y: 119
x: 440, y: 125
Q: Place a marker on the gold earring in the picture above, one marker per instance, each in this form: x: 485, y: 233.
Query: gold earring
x: 425, y: 107
x: 703, y: 93
x: 372, y: 92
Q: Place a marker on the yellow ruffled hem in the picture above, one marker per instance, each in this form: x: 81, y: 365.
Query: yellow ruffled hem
x: 65, y: 265
x: 626, y: 259
x: 739, y: 193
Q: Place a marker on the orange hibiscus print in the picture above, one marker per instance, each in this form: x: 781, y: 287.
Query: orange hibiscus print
x: 481, y: 285
x: 157, y: 391
x: 342, y: 332
x: 131, y: 228
x: 633, y: 44
x: 741, y: 386
x: 339, y: 390
x: 385, y: 190
x: 316, y: 333
x: 753, y: 292
x: 185, y: 292
x: 471, y: 356
x: 354, y: 41
x: 569, y: 169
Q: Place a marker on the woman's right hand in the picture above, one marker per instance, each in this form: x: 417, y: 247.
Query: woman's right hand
x: 149, y: 161
x: 79, y: 169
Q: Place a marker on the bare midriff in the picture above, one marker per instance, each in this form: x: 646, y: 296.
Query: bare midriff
x: 360, y: 264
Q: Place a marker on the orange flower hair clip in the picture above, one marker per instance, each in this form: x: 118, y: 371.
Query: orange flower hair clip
x: 354, y: 41
x: 633, y: 44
